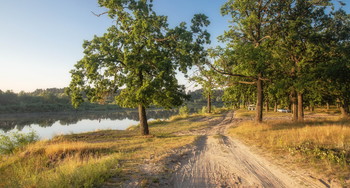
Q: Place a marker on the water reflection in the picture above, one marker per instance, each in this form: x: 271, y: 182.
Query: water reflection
x: 63, y: 123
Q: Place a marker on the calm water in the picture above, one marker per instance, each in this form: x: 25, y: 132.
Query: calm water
x: 48, y: 125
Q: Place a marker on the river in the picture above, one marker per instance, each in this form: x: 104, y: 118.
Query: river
x: 48, y: 125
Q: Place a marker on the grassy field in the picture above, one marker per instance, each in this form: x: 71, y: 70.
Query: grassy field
x: 89, y: 159
x: 321, y: 142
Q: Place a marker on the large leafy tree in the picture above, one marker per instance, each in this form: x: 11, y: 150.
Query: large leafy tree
x: 137, y: 59
x: 336, y: 70
x: 299, y: 46
x: 247, y: 55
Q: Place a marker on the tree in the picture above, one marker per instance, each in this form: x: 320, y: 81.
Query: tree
x: 299, y: 46
x: 247, y: 41
x: 139, y: 55
x: 206, y: 79
x: 336, y: 70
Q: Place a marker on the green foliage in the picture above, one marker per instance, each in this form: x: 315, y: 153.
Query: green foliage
x: 48, y: 100
x: 296, y: 47
x: 183, y: 111
x: 203, y: 110
x: 138, y: 55
x: 206, y: 79
x: 15, y: 140
x: 239, y: 94
x: 337, y: 156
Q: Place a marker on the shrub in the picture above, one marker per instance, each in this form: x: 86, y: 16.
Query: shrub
x: 203, y: 110
x: 183, y: 110
x: 15, y: 140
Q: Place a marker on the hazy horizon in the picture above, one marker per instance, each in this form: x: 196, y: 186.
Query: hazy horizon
x: 43, y: 40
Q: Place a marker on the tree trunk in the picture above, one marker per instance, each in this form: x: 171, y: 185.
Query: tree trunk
x: 344, y: 109
x: 294, y: 106
x: 209, y: 103
x: 267, y: 104
x: 142, y: 111
x: 300, y: 107
x: 327, y: 105
x: 290, y: 106
x: 275, y: 107
x: 259, y: 102
x: 143, y: 120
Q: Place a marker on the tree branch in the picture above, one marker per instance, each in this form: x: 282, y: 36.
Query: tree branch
x: 231, y: 74
x: 98, y: 15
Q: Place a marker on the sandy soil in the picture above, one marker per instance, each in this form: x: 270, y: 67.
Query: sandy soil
x: 216, y: 160
x: 220, y: 161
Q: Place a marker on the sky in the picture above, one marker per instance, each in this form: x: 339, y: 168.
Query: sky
x: 41, y: 40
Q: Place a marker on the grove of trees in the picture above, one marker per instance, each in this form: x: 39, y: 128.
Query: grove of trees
x: 292, y: 53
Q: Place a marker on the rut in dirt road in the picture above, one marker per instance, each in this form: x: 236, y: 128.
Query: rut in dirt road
x: 220, y: 161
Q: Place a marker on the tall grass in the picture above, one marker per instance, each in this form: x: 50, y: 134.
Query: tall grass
x: 325, y: 144
x: 89, y: 159
x: 15, y: 140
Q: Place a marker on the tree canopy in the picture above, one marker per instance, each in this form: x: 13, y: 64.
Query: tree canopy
x: 138, y: 57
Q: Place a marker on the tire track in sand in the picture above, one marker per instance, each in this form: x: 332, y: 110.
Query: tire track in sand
x: 221, y: 161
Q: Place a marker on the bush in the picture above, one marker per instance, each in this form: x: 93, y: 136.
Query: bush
x: 203, y: 110
x: 183, y: 110
x: 15, y: 140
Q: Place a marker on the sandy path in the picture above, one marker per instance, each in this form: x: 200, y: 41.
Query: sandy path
x: 221, y: 161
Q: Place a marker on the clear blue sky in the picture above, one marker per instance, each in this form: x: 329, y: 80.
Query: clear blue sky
x: 40, y: 40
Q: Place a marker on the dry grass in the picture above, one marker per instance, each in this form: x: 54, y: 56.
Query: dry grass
x: 322, y: 143
x: 244, y: 113
x: 88, y: 159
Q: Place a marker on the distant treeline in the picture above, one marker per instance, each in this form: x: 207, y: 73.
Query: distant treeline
x: 44, y: 100
x: 55, y: 100
x: 11, y: 121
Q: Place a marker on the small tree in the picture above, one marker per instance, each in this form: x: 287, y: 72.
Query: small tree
x: 137, y: 58
x: 205, y: 78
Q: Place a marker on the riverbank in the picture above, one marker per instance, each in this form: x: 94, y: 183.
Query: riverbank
x: 114, y: 158
x: 90, y: 159
x: 48, y: 125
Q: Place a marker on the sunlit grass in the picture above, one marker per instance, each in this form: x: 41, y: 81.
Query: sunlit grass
x: 243, y: 113
x: 89, y: 159
x: 323, y: 144
x: 333, y: 111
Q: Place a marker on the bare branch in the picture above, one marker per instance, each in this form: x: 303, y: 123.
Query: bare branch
x: 231, y: 74
x: 243, y: 82
x: 98, y: 15
x: 240, y: 82
x: 266, y: 37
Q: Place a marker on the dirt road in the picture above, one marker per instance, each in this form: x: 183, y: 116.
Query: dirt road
x: 220, y: 161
